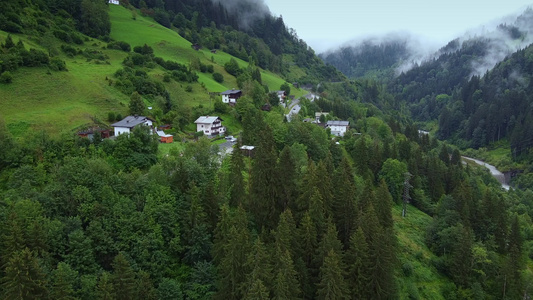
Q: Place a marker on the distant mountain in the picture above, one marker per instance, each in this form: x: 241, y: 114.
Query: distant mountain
x: 478, y: 87
x: 395, y: 54
x: 372, y: 57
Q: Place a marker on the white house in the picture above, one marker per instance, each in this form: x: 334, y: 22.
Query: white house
x: 338, y: 128
x: 126, y: 125
x: 116, y: 2
x: 210, y: 125
x: 231, y: 96
x: 281, y: 95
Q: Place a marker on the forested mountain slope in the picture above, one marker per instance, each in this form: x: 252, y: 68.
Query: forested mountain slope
x: 376, y: 58
x: 476, y: 88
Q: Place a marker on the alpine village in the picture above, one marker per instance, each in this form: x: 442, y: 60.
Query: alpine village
x: 199, y: 149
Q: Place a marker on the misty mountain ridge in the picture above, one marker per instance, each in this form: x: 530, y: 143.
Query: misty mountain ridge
x: 373, y: 55
x: 405, y: 51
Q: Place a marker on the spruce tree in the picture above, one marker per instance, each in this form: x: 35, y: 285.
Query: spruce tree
x: 345, y: 201
x: 12, y: 238
x: 285, y: 234
x: 332, y: 284
x: 383, y: 205
x: 317, y: 211
x: 264, y: 187
x: 105, y: 289
x: 309, y: 182
x: 259, y: 270
x: 257, y: 291
x: 232, y: 273
x: 123, y: 278
x: 287, y: 178
x: 144, y: 287
x: 237, y: 188
x: 359, y: 266
x: 307, y: 239
x: 514, y: 262
x: 211, y: 205
x: 221, y: 234
x: 196, y: 236
x: 307, y: 246
x: 63, y: 280
x: 325, y: 173
x: 329, y: 241
x: 24, y: 277
x: 381, y: 244
x: 360, y: 155
x: 285, y: 285
x: 462, y: 256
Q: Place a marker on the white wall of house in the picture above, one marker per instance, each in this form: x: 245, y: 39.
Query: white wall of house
x: 121, y: 130
x: 228, y: 99
x: 116, y: 2
x: 205, y: 127
x: 208, y: 129
x: 338, y: 130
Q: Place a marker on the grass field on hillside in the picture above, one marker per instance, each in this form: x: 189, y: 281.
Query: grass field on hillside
x: 169, y: 45
x: 60, y: 101
x: 39, y: 99
x: 424, y: 282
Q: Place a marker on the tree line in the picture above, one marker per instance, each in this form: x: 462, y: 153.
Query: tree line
x: 304, y: 218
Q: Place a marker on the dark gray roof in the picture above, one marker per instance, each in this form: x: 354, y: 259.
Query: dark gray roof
x: 130, y: 121
x: 230, y: 92
x: 338, y: 123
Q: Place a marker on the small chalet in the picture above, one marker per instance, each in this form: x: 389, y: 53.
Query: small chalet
x: 116, y: 2
x: 165, y: 138
x: 210, y: 125
x: 126, y: 125
x: 338, y: 128
x: 247, y: 150
x: 282, y: 95
x: 196, y: 47
x: 231, y: 96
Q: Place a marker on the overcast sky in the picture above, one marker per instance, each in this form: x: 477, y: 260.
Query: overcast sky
x: 329, y: 23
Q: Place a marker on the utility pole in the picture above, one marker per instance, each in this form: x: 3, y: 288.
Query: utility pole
x: 406, y: 197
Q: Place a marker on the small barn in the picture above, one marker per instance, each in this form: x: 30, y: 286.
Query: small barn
x: 247, y: 150
x: 165, y: 138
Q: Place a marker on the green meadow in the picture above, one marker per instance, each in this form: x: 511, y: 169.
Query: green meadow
x: 419, y: 278
x: 39, y: 99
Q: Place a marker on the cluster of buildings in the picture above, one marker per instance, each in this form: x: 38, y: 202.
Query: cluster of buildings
x: 209, y: 125
x: 212, y: 125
